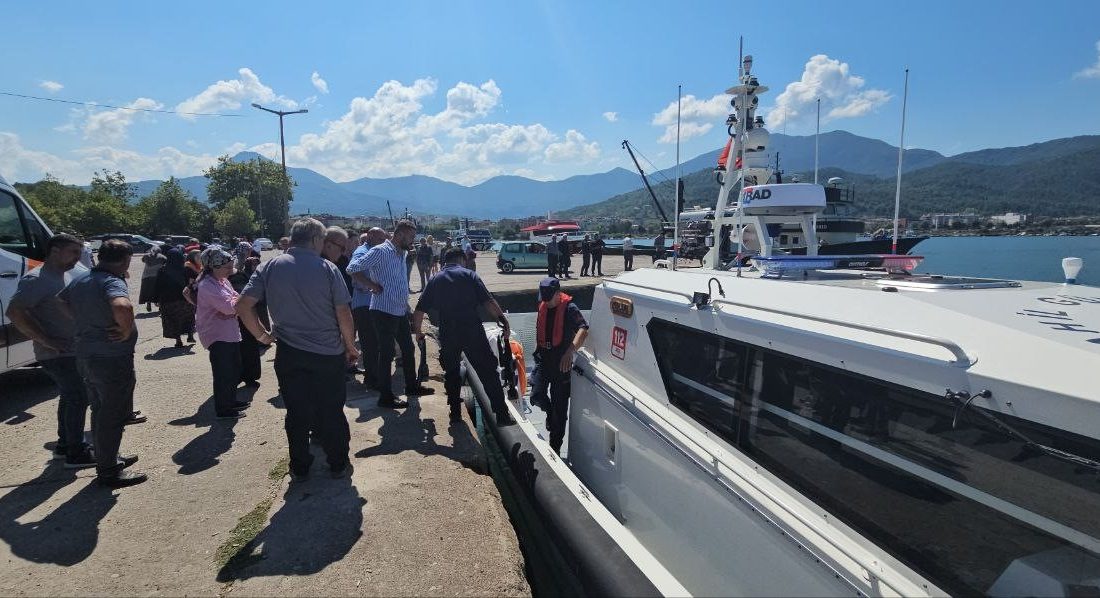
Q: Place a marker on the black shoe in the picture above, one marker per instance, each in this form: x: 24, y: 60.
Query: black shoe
x: 135, y: 418
x: 127, y: 460
x: 60, y: 452
x: 241, y: 405
x: 456, y: 412
x: 191, y: 339
x: 298, y: 477
x: 252, y: 383
x: 83, y: 461
x: 122, y: 479
x: 504, y: 419
x: 343, y: 472
x: 392, y: 403
x: 230, y: 415
x: 418, y: 390
x: 179, y: 344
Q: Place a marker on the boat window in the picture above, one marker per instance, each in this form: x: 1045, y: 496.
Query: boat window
x: 972, y: 508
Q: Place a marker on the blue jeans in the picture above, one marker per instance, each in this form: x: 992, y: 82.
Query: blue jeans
x: 72, y: 406
x: 110, y: 382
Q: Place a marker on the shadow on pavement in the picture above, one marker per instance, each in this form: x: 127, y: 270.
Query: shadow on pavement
x: 319, y: 522
x: 203, y: 451
x: 67, y: 535
x: 23, y: 389
x: 403, y: 430
x: 170, y: 352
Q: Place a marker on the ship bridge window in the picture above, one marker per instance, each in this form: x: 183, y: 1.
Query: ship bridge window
x: 972, y: 508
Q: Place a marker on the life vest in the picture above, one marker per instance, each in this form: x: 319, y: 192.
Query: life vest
x: 521, y: 369
x: 559, y: 323
x: 725, y: 155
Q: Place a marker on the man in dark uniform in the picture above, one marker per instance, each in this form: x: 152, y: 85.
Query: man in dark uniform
x: 561, y: 330
x: 456, y: 293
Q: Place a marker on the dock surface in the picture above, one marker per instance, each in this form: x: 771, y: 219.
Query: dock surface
x: 419, y: 516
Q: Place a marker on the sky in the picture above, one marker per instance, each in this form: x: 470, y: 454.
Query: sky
x: 545, y: 89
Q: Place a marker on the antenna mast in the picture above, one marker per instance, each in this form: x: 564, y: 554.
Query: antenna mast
x: 901, y: 152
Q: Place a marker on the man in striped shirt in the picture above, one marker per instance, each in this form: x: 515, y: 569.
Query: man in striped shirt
x: 382, y: 271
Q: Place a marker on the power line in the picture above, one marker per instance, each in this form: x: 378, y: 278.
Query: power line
x: 95, y: 105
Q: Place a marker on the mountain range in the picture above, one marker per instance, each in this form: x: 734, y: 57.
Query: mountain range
x: 872, y: 162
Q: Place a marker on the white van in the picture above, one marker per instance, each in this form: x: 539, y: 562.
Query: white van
x: 23, y: 238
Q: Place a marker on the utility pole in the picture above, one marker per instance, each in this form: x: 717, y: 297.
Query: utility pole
x: 282, y: 147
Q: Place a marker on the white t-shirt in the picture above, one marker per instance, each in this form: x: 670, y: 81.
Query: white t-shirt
x: 628, y: 244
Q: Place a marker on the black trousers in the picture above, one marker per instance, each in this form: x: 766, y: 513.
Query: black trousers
x: 471, y: 341
x: 72, y: 404
x: 425, y: 273
x: 250, y: 355
x: 110, y: 382
x: 313, y: 391
x: 389, y: 329
x: 225, y: 363
x: 552, y: 264
x: 628, y: 259
x: 563, y: 265
x: 547, y: 375
x: 368, y: 344
x: 586, y: 259
x: 597, y: 264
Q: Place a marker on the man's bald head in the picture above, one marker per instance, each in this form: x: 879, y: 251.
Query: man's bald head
x: 376, y: 236
x: 363, y: 238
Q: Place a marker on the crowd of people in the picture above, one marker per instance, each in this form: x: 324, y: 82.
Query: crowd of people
x: 327, y: 301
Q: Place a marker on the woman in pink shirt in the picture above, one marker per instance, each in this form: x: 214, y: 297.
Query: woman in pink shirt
x: 216, y: 325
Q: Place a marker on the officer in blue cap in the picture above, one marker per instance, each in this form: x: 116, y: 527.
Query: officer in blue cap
x: 456, y: 293
x: 560, y: 332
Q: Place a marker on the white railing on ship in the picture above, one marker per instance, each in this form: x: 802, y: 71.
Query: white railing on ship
x: 962, y: 359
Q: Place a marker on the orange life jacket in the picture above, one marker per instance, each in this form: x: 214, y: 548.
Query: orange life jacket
x: 559, y: 323
x: 521, y: 368
x: 725, y: 155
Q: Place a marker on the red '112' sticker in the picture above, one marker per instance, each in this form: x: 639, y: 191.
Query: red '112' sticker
x: 618, y: 342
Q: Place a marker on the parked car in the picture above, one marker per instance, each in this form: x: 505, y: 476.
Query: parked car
x: 23, y: 237
x: 173, y: 240
x: 521, y: 255
x: 141, y: 244
x: 264, y: 244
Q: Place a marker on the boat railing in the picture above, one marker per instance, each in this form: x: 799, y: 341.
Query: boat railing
x: 962, y: 359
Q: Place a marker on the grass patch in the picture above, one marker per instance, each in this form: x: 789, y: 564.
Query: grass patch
x: 249, y: 526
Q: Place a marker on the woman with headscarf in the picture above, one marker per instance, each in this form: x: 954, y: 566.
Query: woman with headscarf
x: 219, y: 332
x: 154, y: 261
x: 246, y: 261
x: 177, y: 314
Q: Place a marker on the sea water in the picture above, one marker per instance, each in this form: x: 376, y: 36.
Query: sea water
x: 1019, y: 258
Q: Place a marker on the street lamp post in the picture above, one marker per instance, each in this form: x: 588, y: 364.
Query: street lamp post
x: 282, y: 145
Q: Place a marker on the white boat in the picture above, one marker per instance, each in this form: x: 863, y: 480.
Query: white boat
x: 819, y: 425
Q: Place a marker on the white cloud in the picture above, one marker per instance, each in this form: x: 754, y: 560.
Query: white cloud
x: 390, y: 134
x: 51, y: 86
x: 26, y: 165
x: 842, y: 94
x: 611, y: 116
x: 1092, y: 72
x: 110, y: 126
x: 574, y: 148
x: 318, y: 82
x: 697, y: 116
x: 230, y: 94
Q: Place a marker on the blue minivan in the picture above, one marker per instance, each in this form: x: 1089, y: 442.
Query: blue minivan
x: 521, y: 255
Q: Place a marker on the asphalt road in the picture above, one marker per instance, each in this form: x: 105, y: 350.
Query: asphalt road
x: 420, y: 516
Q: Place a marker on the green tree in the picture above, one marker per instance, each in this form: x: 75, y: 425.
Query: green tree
x: 102, y: 209
x: 112, y: 184
x: 261, y: 183
x: 171, y: 209
x: 236, y: 218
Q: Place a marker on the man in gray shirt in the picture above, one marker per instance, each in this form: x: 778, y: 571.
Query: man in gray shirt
x: 311, y: 319
x: 37, y: 312
x: 104, y: 342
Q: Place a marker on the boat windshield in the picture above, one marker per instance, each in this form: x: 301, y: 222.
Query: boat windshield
x: 965, y: 503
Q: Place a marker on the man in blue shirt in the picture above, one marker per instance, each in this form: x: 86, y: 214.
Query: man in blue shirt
x: 456, y: 293
x: 382, y: 271
x: 104, y: 344
x: 360, y: 307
